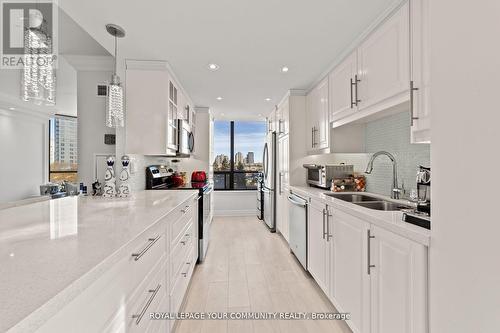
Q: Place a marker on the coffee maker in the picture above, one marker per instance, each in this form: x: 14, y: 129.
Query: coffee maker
x: 421, y: 216
x: 424, y: 190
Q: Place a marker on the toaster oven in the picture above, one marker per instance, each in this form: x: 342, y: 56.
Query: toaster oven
x: 323, y: 175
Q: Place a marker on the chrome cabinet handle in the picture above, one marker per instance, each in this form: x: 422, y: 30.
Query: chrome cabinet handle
x: 352, y: 101
x: 186, y: 209
x: 139, y: 316
x: 356, y: 81
x: 151, y: 241
x: 412, y: 89
x: 312, y: 137
x: 184, y: 274
x: 184, y: 242
x: 328, y: 234
x: 280, y: 182
x: 324, y: 215
x: 369, y: 238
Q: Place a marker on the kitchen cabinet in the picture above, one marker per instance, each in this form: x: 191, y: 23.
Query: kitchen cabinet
x: 350, y: 283
x: 172, y: 130
x: 376, y: 275
x: 148, y: 107
x: 283, y: 118
x: 318, y: 244
x: 342, y: 88
x: 383, y: 64
x: 420, y: 110
x: 283, y: 183
x: 318, y: 117
x: 398, y: 283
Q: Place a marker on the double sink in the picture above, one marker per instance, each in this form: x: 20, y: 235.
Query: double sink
x: 368, y: 201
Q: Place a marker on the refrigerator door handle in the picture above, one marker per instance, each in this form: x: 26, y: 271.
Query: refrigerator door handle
x: 265, y: 159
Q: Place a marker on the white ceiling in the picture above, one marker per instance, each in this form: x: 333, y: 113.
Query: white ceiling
x: 250, y: 40
x: 76, y: 41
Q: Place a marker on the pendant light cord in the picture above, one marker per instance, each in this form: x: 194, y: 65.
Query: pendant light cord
x: 115, y: 53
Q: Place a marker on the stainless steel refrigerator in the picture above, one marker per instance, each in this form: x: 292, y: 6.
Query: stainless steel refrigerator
x: 269, y: 161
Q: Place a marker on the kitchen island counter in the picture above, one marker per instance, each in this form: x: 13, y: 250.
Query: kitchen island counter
x: 51, y: 251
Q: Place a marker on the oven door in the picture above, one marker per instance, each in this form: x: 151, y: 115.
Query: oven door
x: 314, y: 176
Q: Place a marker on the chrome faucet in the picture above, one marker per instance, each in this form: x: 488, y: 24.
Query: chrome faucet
x: 396, y: 191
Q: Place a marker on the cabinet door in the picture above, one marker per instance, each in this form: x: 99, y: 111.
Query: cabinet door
x: 420, y: 68
x: 317, y: 246
x: 310, y: 120
x: 283, y: 118
x: 147, y: 106
x: 323, y: 124
x: 350, y: 282
x: 341, y: 89
x: 172, y: 117
x: 384, y: 64
x: 398, y: 284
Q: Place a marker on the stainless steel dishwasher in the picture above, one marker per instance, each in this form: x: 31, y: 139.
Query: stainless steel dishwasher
x: 298, y: 228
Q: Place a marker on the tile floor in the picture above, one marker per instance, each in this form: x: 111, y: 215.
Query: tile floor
x: 249, y: 269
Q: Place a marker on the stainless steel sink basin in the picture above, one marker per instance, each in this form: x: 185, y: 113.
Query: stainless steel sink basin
x: 355, y: 198
x: 383, y: 205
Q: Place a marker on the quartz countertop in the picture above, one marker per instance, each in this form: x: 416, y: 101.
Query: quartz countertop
x: 390, y: 220
x: 51, y: 251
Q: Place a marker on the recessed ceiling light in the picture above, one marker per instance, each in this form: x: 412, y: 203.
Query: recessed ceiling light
x: 12, y: 109
x: 268, y: 99
x: 284, y: 69
x: 222, y: 114
x: 260, y: 114
x: 219, y: 98
x: 213, y: 67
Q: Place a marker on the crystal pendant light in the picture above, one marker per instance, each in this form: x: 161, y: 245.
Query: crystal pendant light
x: 39, y: 78
x: 114, y: 102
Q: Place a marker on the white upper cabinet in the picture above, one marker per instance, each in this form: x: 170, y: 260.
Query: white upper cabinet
x: 318, y: 117
x: 383, y: 64
x: 398, y: 284
x: 420, y: 98
x: 350, y: 282
x: 283, y: 118
x: 172, y: 133
x: 342, y: 88
x: 147, y: 102
x: 323, y: 132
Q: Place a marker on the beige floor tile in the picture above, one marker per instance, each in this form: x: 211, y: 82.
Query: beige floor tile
x: 247, y: 268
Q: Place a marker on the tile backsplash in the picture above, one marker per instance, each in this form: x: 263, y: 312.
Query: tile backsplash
x: 391, y: 134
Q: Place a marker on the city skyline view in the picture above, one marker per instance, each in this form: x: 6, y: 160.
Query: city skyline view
x: 249, y: 137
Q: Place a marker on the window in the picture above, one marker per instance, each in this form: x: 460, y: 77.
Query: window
x: 63, y: 162
x: 238, y: 154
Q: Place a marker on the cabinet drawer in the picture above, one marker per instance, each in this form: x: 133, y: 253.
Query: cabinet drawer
x: 105, y: 298
x: 181, y: 281
x: 160, y: 325
x: 179, y: 254
x: 187, y: 213
x: 134, y: 314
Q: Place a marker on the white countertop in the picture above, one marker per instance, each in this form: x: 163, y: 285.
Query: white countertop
x: 51, y: 251
x: 391, y: 221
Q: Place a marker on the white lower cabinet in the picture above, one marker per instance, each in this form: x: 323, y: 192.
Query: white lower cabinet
x: 152, y: 276
x: 349, y: 281
x: 377, y: 276
x: 398, y: 284
x: 318, y: 251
